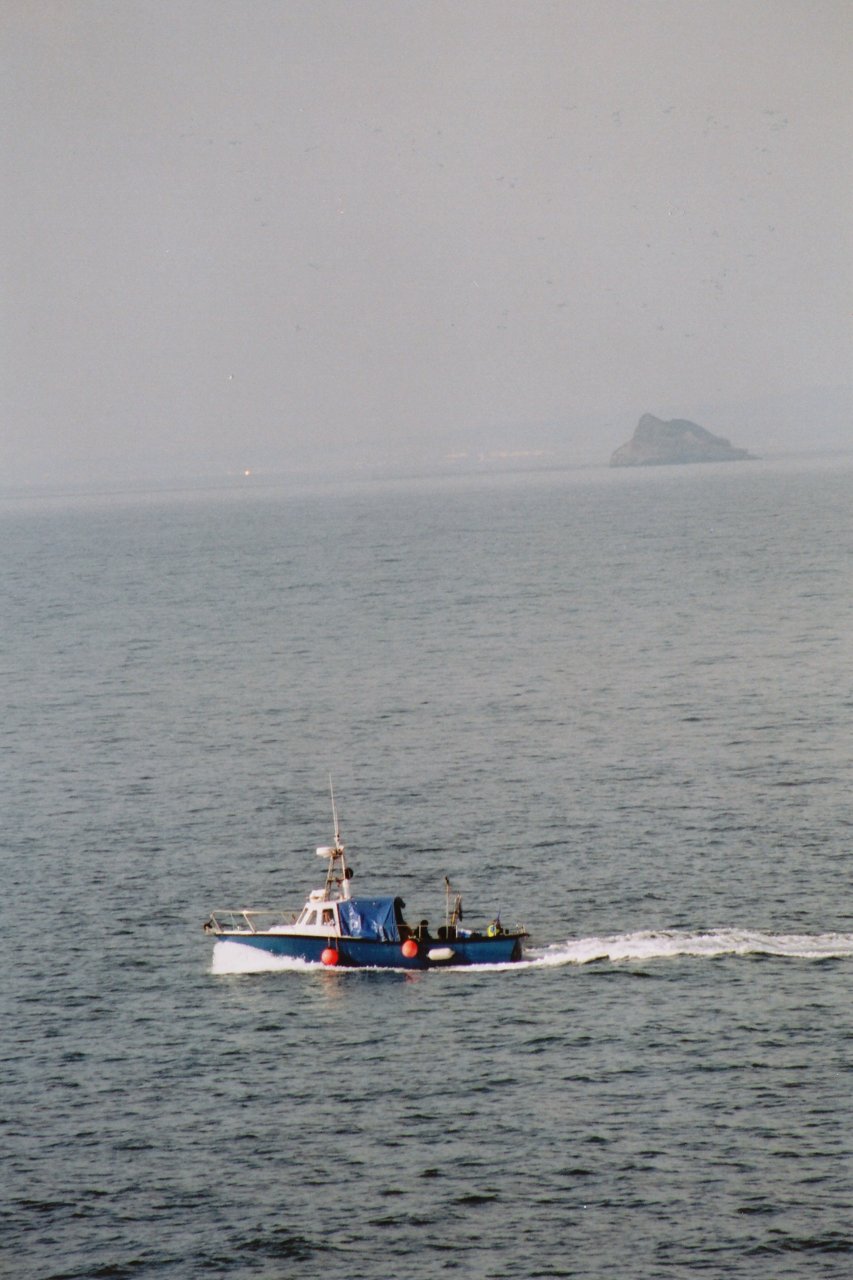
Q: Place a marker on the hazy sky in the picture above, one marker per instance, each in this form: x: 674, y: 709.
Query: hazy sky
x: 276, y: 233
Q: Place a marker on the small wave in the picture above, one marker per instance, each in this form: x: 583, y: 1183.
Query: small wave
x: 834, y: 1242
x: 669, y: 944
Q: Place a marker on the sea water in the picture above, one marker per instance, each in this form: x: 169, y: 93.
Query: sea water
x: 614, y: 707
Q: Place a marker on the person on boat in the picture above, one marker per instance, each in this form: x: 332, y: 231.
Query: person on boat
x: 404, y: 930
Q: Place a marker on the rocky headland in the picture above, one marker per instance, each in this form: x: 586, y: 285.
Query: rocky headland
x: 656, y: 443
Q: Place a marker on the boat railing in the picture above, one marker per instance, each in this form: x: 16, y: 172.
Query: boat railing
x: 224, y: 920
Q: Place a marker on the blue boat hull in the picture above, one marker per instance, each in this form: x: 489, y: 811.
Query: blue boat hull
x: 361, y: 953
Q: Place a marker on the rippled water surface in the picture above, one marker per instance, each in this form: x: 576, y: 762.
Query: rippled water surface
x: 615, y: 707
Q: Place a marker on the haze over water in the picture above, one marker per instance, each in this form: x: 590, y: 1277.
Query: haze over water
x: 295, y: 236
x: 614, y: 706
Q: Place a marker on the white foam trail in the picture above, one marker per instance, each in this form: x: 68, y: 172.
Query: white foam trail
x: 668, y: 944
x: 231, y: 957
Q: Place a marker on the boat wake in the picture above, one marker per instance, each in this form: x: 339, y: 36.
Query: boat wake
x: 668, y: 944
x: 230, y: 957
x: 672, y: 943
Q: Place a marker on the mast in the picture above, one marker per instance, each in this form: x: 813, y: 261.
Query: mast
x: 338, y: 845
x: 338, y: 874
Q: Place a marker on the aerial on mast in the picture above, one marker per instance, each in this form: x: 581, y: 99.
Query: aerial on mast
x: 338, y: 844
x: 338, y: 874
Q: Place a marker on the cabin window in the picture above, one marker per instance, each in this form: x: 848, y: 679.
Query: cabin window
x: 328, y: 916
x: 311, y: 918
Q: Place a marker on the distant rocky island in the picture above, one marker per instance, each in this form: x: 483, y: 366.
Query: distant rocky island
x: 656, y: 443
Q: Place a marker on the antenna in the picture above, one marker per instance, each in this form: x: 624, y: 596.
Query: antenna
x: 336, y: 875
x: 334, y: 817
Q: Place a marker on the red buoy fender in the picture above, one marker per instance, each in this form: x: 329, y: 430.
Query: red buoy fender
x: 409, y: 948
x: 330, y: 956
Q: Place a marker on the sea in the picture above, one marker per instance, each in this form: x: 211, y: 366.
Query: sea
x: 614, y: 706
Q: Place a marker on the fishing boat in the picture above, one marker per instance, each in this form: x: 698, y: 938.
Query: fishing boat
x: 338, y: 929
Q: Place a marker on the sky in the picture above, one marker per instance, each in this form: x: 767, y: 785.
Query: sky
x: 349, y: 234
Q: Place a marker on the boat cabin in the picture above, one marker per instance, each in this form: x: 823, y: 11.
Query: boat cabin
x: 319, y: 914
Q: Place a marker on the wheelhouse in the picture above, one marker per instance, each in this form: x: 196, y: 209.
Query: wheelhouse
x: 320, y: 914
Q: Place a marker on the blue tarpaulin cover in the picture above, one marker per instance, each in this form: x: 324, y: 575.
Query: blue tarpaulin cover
x: 369, y: 918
